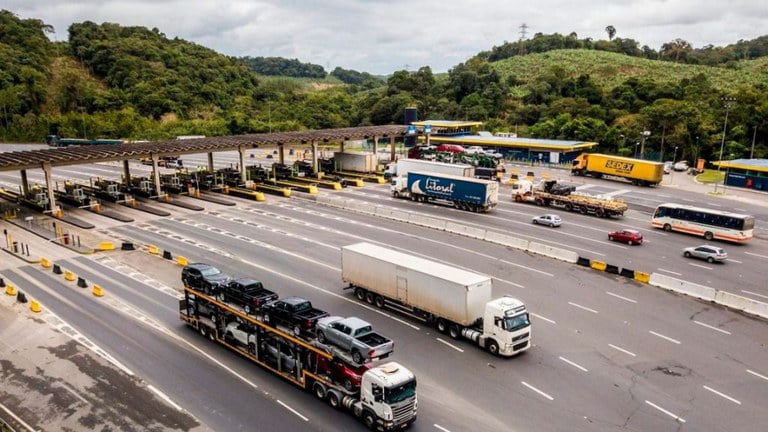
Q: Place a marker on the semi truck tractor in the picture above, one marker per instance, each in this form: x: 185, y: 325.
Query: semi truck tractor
x: 547, y: 193
x: 465, y: 193
x: 384, y: 399
x: 402, y: 167
x: 455, y: 301
x: 638, y: 171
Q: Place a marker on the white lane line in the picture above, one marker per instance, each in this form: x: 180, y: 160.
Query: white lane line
x: 298, y: 414
x: 757, y: 375
x: 542, y: 318
x: 18, y: 420
x: 712, y: 327
x: 582, y: 307
x: 622, y: 350
x: 723, y: 395
x: 678, y: 418
x: 440, y: 427
x: 669, y: 271
x: 621, y: 297
x: 450, y: 345
x: 714, y: 205
x: 757, y: 255
x: 574, y: 364
x: 700, y: 266
x: 537, y: 390
x: 734, y: 261
x: 664, y: 337
x: 165, y: 397
x: 754, y: 294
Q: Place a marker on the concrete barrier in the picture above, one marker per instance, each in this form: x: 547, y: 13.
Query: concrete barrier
x: 106, y: 245
x: 426, y: 221
x: 399, y: 215
x: 744, y: 304
x: 688, y: 288
x: 583, y: 262
x: 598, y: 265
x: 553, y: 252
x: 627, y: 273
x: 182, y: 261
x: 506, y: 240
x: 612, y: 269
x: 465, y: 230
x: 642, y: 277
x: 758, y: 308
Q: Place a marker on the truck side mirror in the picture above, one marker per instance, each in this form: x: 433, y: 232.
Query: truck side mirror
x: 377, y: 393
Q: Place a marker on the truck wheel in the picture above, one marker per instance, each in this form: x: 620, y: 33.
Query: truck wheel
x: 321, y: 337
x: 568, y: 207
x: 333, y: 399
x: 600, y: 212
x: 202, y: 329
x: 247, y: 309
x: 360, y: 294
x: 319, y: 390
x: 493, y: 347
x: 222, y: 298
x: 369, y: 421
x: 518, y: 198
x: 379, y: 301
x: 370, y: 297
x: 454, y: 331
x: 357, y: 357
x: 296, y: 331
x: 442, y: 326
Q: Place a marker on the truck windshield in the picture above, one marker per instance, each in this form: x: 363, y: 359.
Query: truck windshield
x: 400, y: 393
x: 516, y: 322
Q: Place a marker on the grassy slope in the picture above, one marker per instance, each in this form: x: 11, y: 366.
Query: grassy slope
x: 610, y: 69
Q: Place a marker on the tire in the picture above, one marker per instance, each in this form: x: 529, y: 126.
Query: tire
x: 251, y: 348
x: 518, y: 198
x: 630, y: 242
x: 221, y: 297
x: 369, y: 297
x: 708, y: 236
x: 360, y: 294
x: 348, y: 384
x: 267, y: 319
x: 357, y: 357
x: 583, y: 210
x: 442, y: 326
x: 296, y: 331
x: 493, y: 347
x: 667, y: 227
x: 247, y: 309
x: 319, y: 391
x: 203, y: 330
x: 321, y: 337
x: 600, y: 212
x: 535, y: 222
x: 610, y: 237
x: 710, y: 260
x: 454, y: 331
x: 379, y: 301
x: 687, y: 254
x: 569, y: 207
x: 369, y: 421
x: 213, y: 317
x: 333, y: 400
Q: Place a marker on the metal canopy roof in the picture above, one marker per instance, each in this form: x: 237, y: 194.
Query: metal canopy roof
x: 30, y: 159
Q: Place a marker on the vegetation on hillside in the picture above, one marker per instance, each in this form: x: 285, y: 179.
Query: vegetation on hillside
x: 134, y: 83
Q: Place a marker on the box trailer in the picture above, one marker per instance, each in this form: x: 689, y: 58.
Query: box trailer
x: 638, y: 171
x: 363, y: 162
x: 402, y: 167
x: 465, y: 193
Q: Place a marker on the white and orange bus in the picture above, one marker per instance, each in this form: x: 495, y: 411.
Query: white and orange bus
x: 707, y: 223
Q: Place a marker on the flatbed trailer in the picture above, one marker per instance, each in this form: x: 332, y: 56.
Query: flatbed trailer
x: 572, y: 202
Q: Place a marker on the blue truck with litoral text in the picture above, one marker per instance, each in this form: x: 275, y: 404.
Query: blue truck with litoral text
x: 463, y: 192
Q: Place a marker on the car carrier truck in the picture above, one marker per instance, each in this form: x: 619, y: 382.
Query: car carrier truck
x: 455, y: 301
x: 638, y: 171
x: 464, y: 193
x: 547, y: 194
x: 384, y: 400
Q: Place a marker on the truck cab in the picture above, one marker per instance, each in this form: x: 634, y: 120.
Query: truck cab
x: 506, y: 321
x: 388, y: 397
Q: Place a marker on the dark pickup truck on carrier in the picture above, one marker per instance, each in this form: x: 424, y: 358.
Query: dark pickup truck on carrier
x: 248, y: 293
x: 295, y: 313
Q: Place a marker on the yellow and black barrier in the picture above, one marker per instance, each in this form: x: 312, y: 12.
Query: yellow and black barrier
x: 598, y: 265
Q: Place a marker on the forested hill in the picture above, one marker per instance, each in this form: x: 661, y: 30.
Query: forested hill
x: 109, y: 81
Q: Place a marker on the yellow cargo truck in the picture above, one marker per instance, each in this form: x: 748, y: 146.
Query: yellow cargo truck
x: 638, y: 171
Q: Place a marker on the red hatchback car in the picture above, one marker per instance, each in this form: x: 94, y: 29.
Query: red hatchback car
x: 628, y: 236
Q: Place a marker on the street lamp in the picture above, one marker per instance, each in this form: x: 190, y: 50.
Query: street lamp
x: 729, y: 102
x: 636, y: 145
x: 644, y: 135
x: 752, y: 150
x: 672, y: 171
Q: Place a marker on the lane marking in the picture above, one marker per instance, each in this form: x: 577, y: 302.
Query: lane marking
x: 754, y: 294
x: 543, y: 318
x: 700, y: 266
x: 678, y: 418
x: 669, y: 271
x: 712, y: 327
x: 621, y: 297
x: 577, y: 366
x: 582, y: 307
x: 757, y: 255
x: 298, y: 414
x: 664, y: 337
x: 714, y: 205
x: 17, y: 418
x: 757, y: 375
x: 622, y: 350
x: 537, y: 390
x: 441, y: 428
x: 734, y: 261
x: 723, y: 395
x: 450, y: 345
x: 165, y: 397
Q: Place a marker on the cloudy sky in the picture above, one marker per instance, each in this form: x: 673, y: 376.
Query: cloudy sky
x: 383, y: 36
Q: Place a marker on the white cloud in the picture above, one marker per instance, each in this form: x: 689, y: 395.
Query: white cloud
x: 381, y: 37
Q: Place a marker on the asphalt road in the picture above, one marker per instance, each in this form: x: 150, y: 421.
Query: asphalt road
x: 610, y: 354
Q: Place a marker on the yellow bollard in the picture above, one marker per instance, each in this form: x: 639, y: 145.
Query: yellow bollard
x: 68, y: 275
x: 45, y: 262
x: 598, y: 265
x: 642, y: 277
x: 106, y: 245
x: 10, y: 290
x: 182, y: 261
x: 153, y: 250
x: 34, y: 306
x: 259, y: 196
x: 98, y: 291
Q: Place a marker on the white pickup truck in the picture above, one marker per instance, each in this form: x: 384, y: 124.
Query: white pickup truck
x: 355, y: 336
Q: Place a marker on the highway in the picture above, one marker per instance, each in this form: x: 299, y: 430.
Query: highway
x: 610, y: 354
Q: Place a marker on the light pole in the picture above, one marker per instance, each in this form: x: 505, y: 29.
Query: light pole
x: 752, y: 150
x: 729, y: 102
x: 672, y: 171
x: 644, y: 135
x: 636, y: 145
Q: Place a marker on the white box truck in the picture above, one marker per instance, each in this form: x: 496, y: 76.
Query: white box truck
x: 402, y: 167
x: 363, y: 162
x: 456, y: 301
